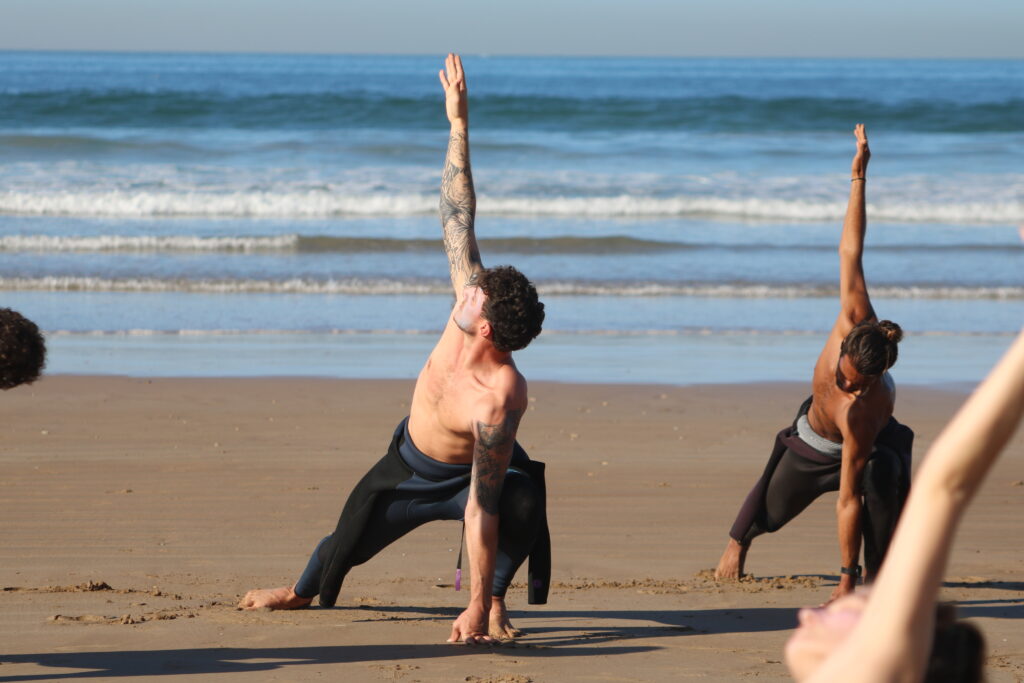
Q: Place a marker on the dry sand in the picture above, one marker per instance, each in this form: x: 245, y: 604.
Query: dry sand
x: 136, y: 512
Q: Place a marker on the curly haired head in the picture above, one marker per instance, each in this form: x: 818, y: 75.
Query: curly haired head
x: 22, y: 350
x: 871, y: 346
x: 512, y: 307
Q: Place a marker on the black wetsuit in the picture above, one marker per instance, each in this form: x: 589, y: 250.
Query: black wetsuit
x: 408, y: 488
x: 797, y: 474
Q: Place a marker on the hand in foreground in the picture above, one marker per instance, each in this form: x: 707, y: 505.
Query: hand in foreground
x: 471, y: 628
x: 860, y: 160
x: 453, y: 80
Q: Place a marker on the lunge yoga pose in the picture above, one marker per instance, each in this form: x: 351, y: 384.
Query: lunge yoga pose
x: 890, y: 632
x: 455, y: 456
x: 844, y: 437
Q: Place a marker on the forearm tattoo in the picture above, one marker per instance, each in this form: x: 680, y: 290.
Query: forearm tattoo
x: 490, y: 459
x: 458, y: 209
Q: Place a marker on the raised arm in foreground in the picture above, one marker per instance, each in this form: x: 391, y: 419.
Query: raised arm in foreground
x: 458, y: 199
x: 892, y: 640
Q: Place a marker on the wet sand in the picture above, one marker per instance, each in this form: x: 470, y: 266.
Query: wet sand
x: 136, y: 512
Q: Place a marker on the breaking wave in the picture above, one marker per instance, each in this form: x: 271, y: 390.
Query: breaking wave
x: 382, y: 286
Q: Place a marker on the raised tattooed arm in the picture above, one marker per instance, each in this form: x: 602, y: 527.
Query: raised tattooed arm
x: 855, y: 305
x: 458, y: 198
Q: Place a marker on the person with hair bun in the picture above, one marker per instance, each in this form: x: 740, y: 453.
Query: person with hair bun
x: 893, y: 631
x: 844, y: 436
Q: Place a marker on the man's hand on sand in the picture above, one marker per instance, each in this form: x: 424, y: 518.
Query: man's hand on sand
x: 453, y: 80
x: 471, y: 628
x: 273, y: 598
x: 859, y: 168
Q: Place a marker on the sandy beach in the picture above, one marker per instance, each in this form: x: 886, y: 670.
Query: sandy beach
x: 136, y: 512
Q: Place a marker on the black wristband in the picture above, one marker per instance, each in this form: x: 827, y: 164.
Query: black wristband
x: 851, y: 571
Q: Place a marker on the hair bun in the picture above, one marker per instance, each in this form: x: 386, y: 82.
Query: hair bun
x: 891, y: 330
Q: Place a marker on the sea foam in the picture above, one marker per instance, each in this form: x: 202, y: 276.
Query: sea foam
x: 382, y: 286
x: 324, y: 204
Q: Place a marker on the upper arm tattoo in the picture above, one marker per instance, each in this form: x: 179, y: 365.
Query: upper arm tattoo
x: 490, y: 459
x: 458, y: 209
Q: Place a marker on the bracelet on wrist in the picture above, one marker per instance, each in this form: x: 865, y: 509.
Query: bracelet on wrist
x: 858, y: 178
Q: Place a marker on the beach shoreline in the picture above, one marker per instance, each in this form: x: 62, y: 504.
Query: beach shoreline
x: 639, y: 357
x: 173, y: 496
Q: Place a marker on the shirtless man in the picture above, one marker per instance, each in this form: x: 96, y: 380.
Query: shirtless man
x: 844, y: 437
x: 455, y: 457
x: 22, y: 350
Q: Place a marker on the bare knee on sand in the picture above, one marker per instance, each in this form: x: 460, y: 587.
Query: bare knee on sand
x: 273, y: 598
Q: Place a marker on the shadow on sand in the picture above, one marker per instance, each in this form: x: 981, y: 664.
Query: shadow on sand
x: 554, y: 641
x: 233, y: 660
x: 590, y: 637
x: 592, y: 623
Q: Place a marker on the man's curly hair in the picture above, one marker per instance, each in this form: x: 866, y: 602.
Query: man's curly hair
x: 512, y: 307
x: 22, y: 350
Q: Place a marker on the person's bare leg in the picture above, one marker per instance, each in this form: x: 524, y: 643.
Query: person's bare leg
x: 500, y: 627
x: 273, y: 598
x: 733, y: 559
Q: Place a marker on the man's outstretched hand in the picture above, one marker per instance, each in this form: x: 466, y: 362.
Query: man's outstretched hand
x: 859, y: 168
x: 453, y: 80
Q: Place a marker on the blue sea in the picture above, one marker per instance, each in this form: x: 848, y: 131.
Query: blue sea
x: 240, y: 215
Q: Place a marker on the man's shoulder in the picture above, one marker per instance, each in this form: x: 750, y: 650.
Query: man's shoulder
x: 510, y: 387
x: 506, y: 394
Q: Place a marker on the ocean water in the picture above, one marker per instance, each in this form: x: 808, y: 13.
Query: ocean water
x: 259, y: 215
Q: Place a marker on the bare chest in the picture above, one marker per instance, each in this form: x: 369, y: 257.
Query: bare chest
x: 446, y: 394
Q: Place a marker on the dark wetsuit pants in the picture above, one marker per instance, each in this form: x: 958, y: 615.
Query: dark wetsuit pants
x: 795, y: 481
x: 437, y: 491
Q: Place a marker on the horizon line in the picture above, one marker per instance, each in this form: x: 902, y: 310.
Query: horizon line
x: 487, y: 55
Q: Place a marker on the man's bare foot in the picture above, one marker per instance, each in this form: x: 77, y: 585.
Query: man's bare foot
x: 273, y: 598
x: 500, y: 627
x: 733, y: 559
